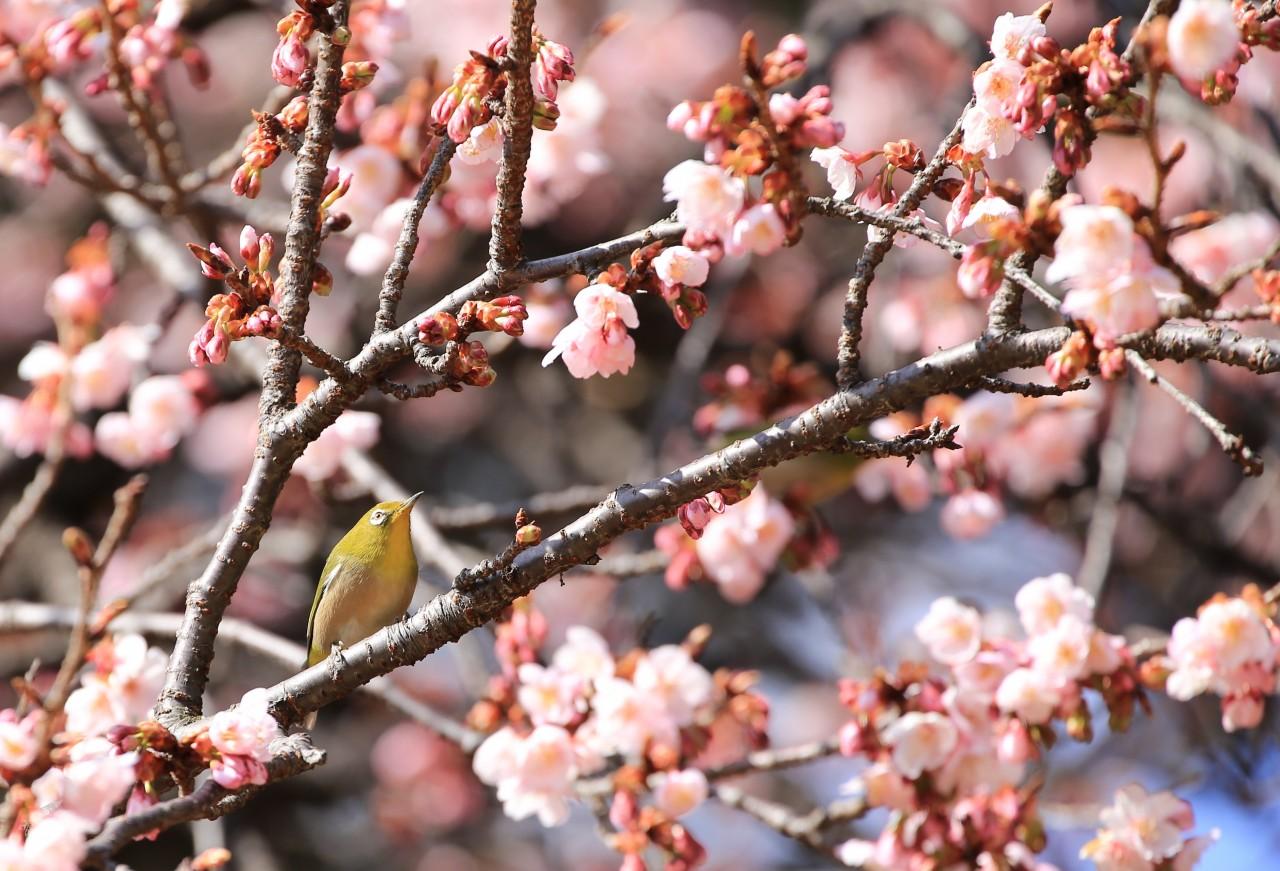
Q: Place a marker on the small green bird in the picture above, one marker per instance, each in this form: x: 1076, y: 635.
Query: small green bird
x: 367, y: 581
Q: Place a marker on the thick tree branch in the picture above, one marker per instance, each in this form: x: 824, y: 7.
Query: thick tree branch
x: 450, y: 616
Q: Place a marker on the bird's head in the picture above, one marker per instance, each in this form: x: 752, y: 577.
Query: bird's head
x: 385, y: 520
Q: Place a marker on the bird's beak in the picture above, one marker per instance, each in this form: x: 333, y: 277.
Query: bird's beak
x: 407, y: 505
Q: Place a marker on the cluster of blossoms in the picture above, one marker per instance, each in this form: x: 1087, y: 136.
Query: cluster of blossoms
x: 557, y: 723
x: 89, y: 369
x: 1142, y: 831
x: 1015, y: 443
x: 237, y: 743
x: 1032, y: 82
x: 730, y: 538
x: 148, y: 41
x: 947, y: 753
x: 749, y: 134
x: 480, y: 82
x: 1230, y: 648
x: 596, y: 342
x: 844, y: 174
x: 62, y: 794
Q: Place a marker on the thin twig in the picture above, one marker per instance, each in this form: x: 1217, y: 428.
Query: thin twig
x: 874, y: 252
x: 910, y: 444
x: 398, y: 272
x: 1003, y: 385
x: 1232, y: 445
x: 1114, y: 467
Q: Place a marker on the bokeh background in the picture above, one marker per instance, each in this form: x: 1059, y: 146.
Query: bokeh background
x: 392, y: 796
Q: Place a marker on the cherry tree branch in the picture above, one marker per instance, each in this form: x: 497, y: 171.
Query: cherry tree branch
x: 407, y: 245
x: 517, y: 137
x: 450, y: 616
x: 291, y: 755
x: 864, y: 272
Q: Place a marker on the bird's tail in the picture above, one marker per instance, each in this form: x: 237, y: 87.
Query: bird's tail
x: 309, y: 722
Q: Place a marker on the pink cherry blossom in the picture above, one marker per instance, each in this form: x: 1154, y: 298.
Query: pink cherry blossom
x: 353, y: 430
x: 1028, y: 694
x: 677, y: 793
x: 124, y: 693
x: 533, y: 774
x: 102, y: 371
x: 1126, y: 303
x: 1207, y: 651
x: 843, y: 172
x: 549, y: 695
x: 885, y: 787
x: 18, y: 744
x: 247, y: 729
x: 94, y: 781
x: 921, y: 742
x: 56, y: 842
x: 759, y: 230
x: 1202, y: 38
x: 1151, y: 823
x: 1062, y: 653
x: 951, y: 631
x: 597, y: 342
x: 235, y: 772
x: 988, y: 210
x: 680, y: 265
x: 987, y: 133
x: 670, y: 674
x: 1042, y: 602
x: 483, y: 145
x: 996, y: 85
x: 708, y: 199
x: 164, y: 408
x: 971, y: 513
x: 585, y: 654
x: 1013, y: 34
x: 627, y: 718
x: 741, y: 546
x: 1095, y: 241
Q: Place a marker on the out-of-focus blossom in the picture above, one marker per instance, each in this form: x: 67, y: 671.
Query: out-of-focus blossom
x: 951, y: 631
x: 353, y: 430
x: 670, y: 675
x: 759, y: 230
x: 549, y: 695
x: 1141, y: 831
x: 1202, y: 38
x: 971, y: 513
x: 18, y: 739
x: 121, y: 689
x: 677, y: 793
x: 741, y: 546
x: 534, y: 774
x: 920, y: 742
x: 1042, y: 602
x: 585, y: 654
x: 90, y: 785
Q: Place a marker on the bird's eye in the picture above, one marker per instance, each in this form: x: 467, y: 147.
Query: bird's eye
x: 378, y: 518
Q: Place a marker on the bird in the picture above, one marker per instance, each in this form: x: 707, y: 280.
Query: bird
x: 367, y: 582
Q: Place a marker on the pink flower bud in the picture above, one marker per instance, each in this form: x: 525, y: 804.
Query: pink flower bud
x: 289, y: 60
x: 436, y: 329
x: 250, y: 247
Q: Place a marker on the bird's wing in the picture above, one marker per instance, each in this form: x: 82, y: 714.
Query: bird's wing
x: 331, y: 569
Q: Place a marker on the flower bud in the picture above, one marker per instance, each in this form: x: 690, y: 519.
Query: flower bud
x: 78, y: 545
x: 250, y: 247
x: 214, y: 262
x: 357, y: 75
x: 321, y: 280
x: 528, y: 535
x: 434, y: 330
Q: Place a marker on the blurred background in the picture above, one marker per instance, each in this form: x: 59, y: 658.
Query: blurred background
x: 393, y: 796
